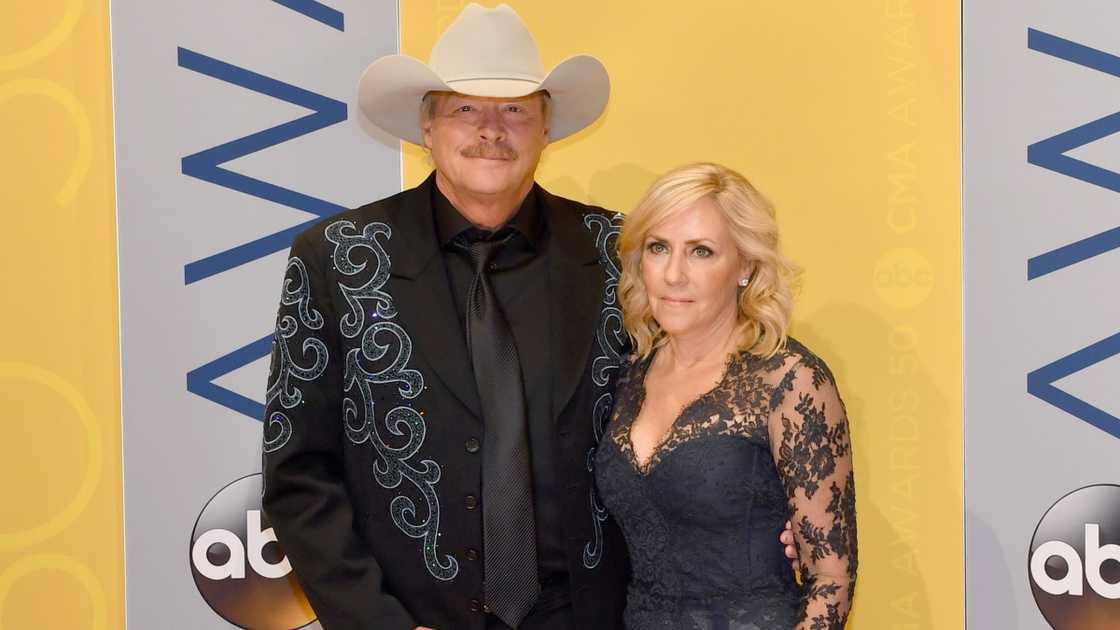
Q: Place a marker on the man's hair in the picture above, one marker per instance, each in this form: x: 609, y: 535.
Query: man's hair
x: 428, y: 106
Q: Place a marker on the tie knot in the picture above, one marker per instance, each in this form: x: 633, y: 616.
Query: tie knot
x: 482, y: 252
x: 482, y: 248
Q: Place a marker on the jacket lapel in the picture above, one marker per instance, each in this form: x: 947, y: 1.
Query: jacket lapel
x: 576, y: 298
x: 422, y: 295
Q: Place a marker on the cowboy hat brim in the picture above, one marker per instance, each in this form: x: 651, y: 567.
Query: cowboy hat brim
x: 391, y: 88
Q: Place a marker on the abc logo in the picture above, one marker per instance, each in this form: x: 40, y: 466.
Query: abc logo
x: 903, y: 277
x: 1074, y: 560
x: 239, y: 568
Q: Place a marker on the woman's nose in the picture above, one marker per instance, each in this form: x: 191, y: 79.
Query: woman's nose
x: 675, y: 272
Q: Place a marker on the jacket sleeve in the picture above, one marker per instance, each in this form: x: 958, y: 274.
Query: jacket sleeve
x: 305, y: 496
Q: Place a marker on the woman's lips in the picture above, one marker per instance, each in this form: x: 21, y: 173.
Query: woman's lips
x: 676, y: 301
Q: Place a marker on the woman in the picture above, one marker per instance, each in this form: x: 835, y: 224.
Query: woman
x: 723, y: 426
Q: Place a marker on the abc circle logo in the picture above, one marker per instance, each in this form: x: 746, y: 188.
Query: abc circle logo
x: 1074, y: 560
x: 239, y: 568
x: 903, y: 277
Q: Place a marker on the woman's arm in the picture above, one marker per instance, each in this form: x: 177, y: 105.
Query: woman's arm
x: 812, y: 450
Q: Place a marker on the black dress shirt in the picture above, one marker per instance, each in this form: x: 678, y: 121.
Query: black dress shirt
x: 519, y: 275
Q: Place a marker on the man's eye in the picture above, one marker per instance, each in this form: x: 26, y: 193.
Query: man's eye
x: 513, y: 109
x: 465, y: 108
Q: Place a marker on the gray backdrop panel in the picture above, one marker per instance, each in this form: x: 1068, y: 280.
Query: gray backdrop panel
x: 180, y: 447
x: 1022, y: 453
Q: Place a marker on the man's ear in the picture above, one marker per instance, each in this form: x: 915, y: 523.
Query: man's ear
x: 429, y: 105
x: 546, y: 111
x: 426, y: 131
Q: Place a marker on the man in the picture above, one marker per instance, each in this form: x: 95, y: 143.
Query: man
x: 444, y: 361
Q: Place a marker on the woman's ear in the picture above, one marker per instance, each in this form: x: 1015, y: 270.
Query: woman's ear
x: 746, y: 271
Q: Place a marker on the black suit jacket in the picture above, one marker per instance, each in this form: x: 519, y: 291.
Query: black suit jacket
x: 371, y: 465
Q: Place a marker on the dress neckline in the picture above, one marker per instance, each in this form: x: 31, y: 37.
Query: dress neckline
x: 653, y: 459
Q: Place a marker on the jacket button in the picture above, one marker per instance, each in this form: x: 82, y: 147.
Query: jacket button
x: 470, y: 502
x: 471, y: 555
x: 472, y: 445
x: 475, y: 605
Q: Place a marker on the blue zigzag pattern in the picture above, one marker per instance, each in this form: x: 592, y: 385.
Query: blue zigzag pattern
x: 1040, y: 383
x: 207, y: 166
x: 316, y: 11
x: 1051, y: 154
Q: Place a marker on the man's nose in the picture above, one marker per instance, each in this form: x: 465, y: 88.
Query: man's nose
x: 490, y: 126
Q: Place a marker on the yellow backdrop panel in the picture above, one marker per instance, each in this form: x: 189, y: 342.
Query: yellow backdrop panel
x: 846, y: 115
x: 60, y: 519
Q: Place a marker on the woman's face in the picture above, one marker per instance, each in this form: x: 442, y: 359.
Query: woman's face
x: 691, y: 269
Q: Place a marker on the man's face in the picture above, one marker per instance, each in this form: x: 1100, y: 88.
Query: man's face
x: 486, y: 146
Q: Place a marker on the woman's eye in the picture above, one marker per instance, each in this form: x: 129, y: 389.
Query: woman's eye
x: 656, y: 248
x: 702, y: 252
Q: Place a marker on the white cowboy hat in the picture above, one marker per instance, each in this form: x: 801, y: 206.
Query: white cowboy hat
x: 484, y: 52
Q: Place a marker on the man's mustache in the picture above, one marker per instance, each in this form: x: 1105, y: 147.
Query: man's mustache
x: 489, y: 150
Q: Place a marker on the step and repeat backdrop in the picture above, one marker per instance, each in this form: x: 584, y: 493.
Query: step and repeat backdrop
x: 975, y: 350
x: 1042, y: 313
x: 235, y: 131
x: 61, y: 543
x: 847, y: 116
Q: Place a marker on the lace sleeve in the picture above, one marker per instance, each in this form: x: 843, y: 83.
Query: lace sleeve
x: 809, y: 437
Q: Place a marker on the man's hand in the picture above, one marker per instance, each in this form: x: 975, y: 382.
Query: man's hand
x: 786, y: 538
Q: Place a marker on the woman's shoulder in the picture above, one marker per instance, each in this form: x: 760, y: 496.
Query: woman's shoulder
x: 808, y: 360
x: 802, y: 379
x: 792, y: 360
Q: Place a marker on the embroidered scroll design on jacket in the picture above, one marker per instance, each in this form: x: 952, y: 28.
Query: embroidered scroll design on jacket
x: 610, y: 337
x: 382, y: 359
x: 285, y: 369
x: 345, y: 243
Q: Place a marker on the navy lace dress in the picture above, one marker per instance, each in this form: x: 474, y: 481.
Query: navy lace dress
x: 702, y: 516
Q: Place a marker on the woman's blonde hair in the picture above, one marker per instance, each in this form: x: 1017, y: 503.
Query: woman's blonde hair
x: 765, y: 304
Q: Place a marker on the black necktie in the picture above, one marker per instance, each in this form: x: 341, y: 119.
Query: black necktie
x: 509, y: 530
